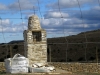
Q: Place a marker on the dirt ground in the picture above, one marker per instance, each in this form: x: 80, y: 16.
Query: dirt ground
x: 57, y: 72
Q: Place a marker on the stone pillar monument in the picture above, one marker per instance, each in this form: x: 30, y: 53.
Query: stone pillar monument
x: 35, y: 41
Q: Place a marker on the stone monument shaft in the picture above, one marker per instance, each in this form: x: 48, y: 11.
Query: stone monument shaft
x: 35, y: 42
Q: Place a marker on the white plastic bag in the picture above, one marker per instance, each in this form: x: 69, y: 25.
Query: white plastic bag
x: 17, y: 64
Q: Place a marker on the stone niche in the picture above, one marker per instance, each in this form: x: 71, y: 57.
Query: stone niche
x: 35, y: 41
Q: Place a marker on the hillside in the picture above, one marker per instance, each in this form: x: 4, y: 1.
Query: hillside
x: 83, y: 47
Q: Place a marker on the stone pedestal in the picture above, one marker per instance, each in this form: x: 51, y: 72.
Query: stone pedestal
x: 35, y: 41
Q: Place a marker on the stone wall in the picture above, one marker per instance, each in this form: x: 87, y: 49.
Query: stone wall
x: 78, y: 67
x: 2, y: 67
x: 71, y: 67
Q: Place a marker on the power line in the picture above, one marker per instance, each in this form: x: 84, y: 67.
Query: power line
x: 21, y: 14
x: 84, y: 27
x: 34, y: 10
x: 61, y: 17
x: 99, y: 2
x: 2, y: 30
x: 20, y: 8
x: 63, y: 28
x: 26, y: 18
x: 13, y: 18
x: 4, y: 36
x: 39, y: 8
x: 62, y: 43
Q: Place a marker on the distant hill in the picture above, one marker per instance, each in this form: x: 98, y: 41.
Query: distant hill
x: 83, y: 47
x: 16, y: 41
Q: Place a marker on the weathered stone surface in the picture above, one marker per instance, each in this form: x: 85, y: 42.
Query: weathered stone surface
x: 33, y: 23
x: 72, y: 67
x: 35, y: 41
x: 78, y: 67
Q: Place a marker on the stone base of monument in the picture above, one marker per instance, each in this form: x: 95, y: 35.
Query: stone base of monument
x: 41, y: 68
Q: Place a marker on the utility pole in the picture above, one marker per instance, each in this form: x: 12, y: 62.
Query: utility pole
x: 97, y: 54
x: 10, y: 51
x: 50, y: 52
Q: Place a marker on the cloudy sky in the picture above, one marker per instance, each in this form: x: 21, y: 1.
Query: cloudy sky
x: 58, y: 17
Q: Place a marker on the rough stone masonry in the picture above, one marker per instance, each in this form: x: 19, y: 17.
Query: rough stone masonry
x: 35, y: 41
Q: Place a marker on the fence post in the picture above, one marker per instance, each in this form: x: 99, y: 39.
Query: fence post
x: 97, y: 55
x: 50, y: 52
x: 10, y: 51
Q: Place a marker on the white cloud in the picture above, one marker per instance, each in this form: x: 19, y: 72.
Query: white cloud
x: 45, y: 21
x: 8, y: 26
x: 3, y: 7
x: 69, y: 3
x: 56, y: 14
x: 72, y: 25
x: 24, y: 4
x: 5, y: 29
x: 14, y: 34
x: 5, y: 22
x: 96, y: 8
x: 51, y: 22
x: 11, y: 29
